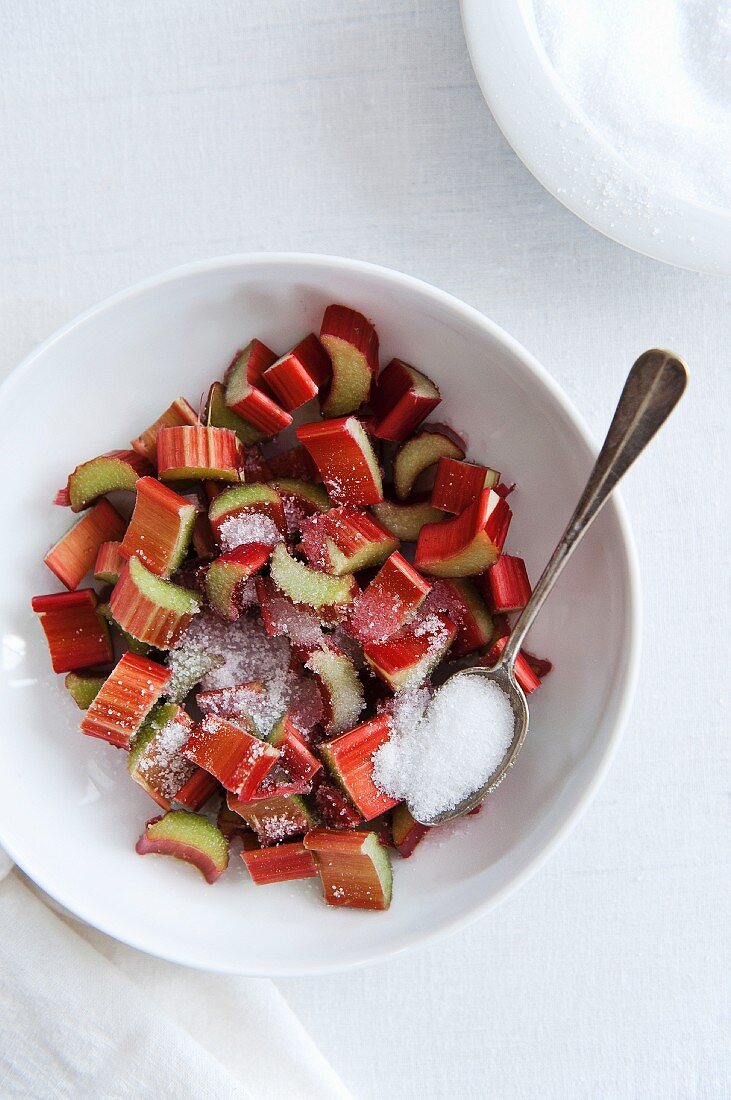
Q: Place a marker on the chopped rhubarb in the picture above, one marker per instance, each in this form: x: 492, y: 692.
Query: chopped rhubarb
x: 179, y: 413
x: 342, y: 691
x: 219, y: 415
x: 249, y: 401
x: 402, y: 400
x: 109, y: 563
x: 524, y: 674
x: 74, y: 555
x: 281, y: 617
x: 83, y: 689
x: 389, y: 601
x: 404, y: 660
x: 344, y: 455
x: 349, y: 758
x: 153, y: 610
x: 188, y: 837
x: 247, y: 500
x: 344, y: 541
x: 77, y: 635
x: 127, y: 697
x: 197, y: 790
x: 354, y: 867
x: 300, y: 499
x: 461, y: 601
x: 282, y: 863
x: 235, y: 756
x: 250, y: 363
x: 336, y: 811
x: 406, y: 831
x: 102, y: 475
x: 458, y: 483
x: 155, y: 760
x: 274, y: 819
x: 194, y: 452
x: 468, y: 544
x: 300, y: 374
x: 296, y: 757
x: 62, y: 498
x: 329, y: 596
x: 352, y: 344
x: 226, y: 576
x: 420, y: 452
x: 160, y: 529
x: 508, y: 584
x: 405, y: 521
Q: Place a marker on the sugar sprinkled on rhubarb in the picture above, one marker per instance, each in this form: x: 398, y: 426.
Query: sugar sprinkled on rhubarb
x: 248, y: 527
x: 434, y: 762
x: 164, y: 758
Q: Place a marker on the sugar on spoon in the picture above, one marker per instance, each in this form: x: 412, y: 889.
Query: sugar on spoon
x: 654, y: 386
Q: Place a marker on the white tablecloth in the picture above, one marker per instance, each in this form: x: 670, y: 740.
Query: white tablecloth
x: 139, y: 135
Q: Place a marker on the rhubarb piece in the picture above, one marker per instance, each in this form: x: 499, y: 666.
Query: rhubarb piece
x: 248, y: 400
x: 201, y: 540
x: 294, y: 463
x: 457, y: 484
x: 235, y: 756
x: 247, y: 500
x: 328, y: 595
x: 109, y: 563
x: 342, y: 691
x: 464, y: 605
x: 524, y: 674
x: 195, y: 452
x: 102, y: 475
x: 219, y: 415
x: 336, y: 811
x: 390, y: 600
x: 403, y: 399
x: 282, y: 863
x: 352, y: 344
x: 155, y: 759
x: 282, y: 618
x: 133, y: 644
x: 151, y: 609
x: 274, y: 819
x: 226, y: 576
x: 300, y: 374
x: 354, y: 867
x: 419, y: 453
x: 349, y: 758
x: 188, y: 665
x: 179, y: 413
x: 344, y: 541
x: 77, y: 636
x: 73, y: 556
x: 198, y: 790
x: 232, y: 826
x: 405, y: 521
x: 508, y: 584
x: 344, y: 455
x: 404, y: 660
x: 188, y: 837
x: 83, y: 689
x: 250, y: 363
x: 405, y: 830
x: 128, y: 695
x: 295, y: 754
x: 468, y: 544
x: 539, y: 665
x: 300, y: 499
x: 161, y: 527
x: 62, y: 498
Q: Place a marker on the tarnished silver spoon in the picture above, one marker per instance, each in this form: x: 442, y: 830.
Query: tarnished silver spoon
x: 654, y: 386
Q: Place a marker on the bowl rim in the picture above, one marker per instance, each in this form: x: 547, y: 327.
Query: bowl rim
x: 557, y: 833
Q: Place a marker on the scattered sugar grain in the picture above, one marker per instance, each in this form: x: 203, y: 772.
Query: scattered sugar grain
x: 435, y: 761
x: 246, y: 528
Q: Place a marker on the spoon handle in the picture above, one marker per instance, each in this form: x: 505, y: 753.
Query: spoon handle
x: 654, y: 386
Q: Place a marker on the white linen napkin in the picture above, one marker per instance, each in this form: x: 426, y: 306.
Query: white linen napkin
x: 84, y: 1016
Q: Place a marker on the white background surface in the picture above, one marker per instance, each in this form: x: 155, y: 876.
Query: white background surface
x: 140, y: 135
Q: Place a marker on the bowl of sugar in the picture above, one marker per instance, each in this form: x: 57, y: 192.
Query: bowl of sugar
x: 622, y: 110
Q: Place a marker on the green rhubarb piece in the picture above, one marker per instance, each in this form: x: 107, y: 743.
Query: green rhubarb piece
x: 305, y: 585
x: 419, y: 453
x: 378, y: 854
x: 188, y: 665
x: 315, y: 495
x: 164, y: 594
x: 134, y: 645
x: 100, y: 476
x: 241, y: 497
x: 190, y: 837
x: 219, y: 415
x: 405, y: 521
x: 83, y: 689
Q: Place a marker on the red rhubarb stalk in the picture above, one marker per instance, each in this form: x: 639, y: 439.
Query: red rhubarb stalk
x: 77, y: 636
x: 402, y: 400
x: 127, y: 697
x: 74, y: 555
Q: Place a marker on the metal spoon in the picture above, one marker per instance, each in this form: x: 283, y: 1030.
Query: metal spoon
x: 654, y: 386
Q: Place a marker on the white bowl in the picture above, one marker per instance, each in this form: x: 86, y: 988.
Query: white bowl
x: 574, y: 162
x: 70, y: 817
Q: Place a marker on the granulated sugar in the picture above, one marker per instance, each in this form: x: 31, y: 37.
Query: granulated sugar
x: 246, y: 528
x: 435, y: 761
x: 652, y: 77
